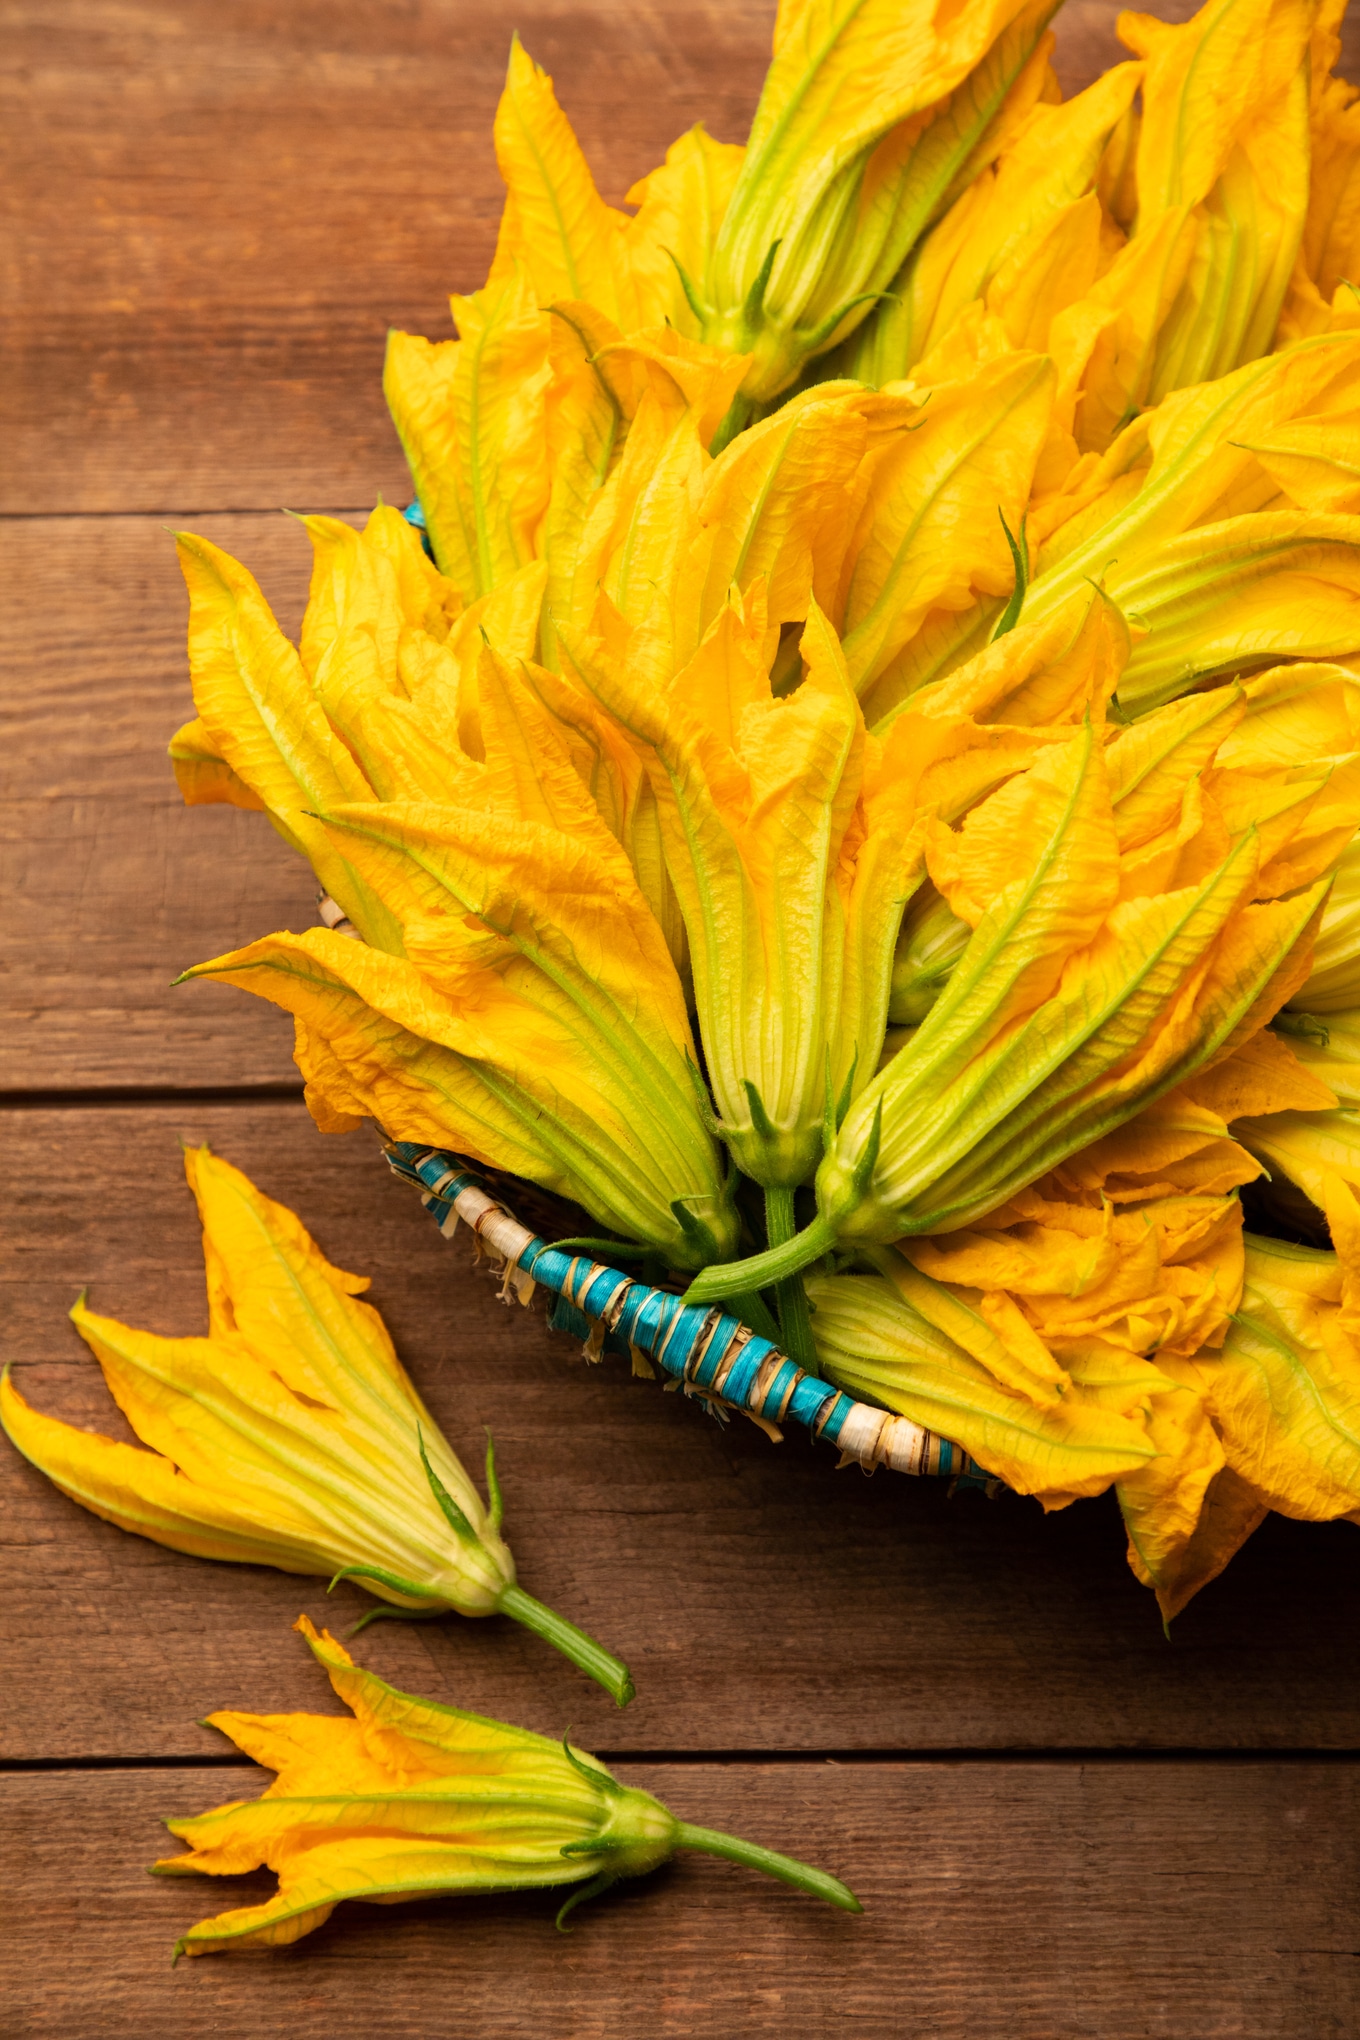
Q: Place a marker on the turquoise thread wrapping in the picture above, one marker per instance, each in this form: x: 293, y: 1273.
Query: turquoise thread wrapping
x: 703, y: 1348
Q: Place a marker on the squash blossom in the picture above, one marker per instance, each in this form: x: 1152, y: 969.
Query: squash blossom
x: 405, y: 1798
x: 513, y: 996
x: 1213, y: 197
x: 291, y: 1436
x: 1160, y: 920
x: 1041, y: 1332
x: 869, y: 115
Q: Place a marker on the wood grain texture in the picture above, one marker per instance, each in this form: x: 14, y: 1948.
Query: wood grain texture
x: 112, y: 886
x: 1004, y: 1902
x: 763, y: 1600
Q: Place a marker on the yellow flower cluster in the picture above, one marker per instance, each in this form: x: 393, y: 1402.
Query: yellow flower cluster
x: 877, y: 723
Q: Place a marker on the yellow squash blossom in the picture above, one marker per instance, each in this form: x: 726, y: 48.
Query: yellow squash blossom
x: 291, y: 1436
x: 786, y: 834
x: 492, y: 1006
x: 870, y: 114
x: 1215, y: 210
x: 930, y: 537
x: 1321, y: 297
x: 788, y: 838
x: 1079, y: 1322
x: 407, y: 1798
x: 1156, y: 923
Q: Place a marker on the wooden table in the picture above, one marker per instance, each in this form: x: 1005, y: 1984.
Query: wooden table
x: 1061, y: 1823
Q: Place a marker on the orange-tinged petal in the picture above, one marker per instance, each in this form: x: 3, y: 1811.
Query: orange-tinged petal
x: 873, y: 1344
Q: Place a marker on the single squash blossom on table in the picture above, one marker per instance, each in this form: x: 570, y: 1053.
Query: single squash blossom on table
x: 405, y: 1798
x: 291, y: 1436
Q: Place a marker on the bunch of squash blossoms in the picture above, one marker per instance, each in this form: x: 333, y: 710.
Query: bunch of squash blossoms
x: 850, y: 772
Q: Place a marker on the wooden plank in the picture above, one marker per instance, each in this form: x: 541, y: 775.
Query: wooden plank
x: 111, y: 885
x: 764, y: 1601
x: 1003, y: 1902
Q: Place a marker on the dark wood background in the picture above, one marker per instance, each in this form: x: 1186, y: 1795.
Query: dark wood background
x: 1062, y: 1824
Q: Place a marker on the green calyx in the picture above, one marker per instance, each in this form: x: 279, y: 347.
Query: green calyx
x: 774, y: 1156
x: 639, y: 1834
x: 787, y: 1258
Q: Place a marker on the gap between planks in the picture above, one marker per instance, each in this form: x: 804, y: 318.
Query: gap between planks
x: 1249, y: 1759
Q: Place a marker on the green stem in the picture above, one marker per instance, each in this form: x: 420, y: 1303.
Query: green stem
x: 593, y: 1659
x: 790, y: 1296
x: 736, y: 1278
x: 753, y: 1311
x: 801, y: 1875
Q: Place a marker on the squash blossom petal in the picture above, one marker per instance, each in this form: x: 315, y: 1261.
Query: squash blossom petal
x: 471, y: 416
x: 1321, y: 297
x: 1146, y: 938
x: 1169, y: 523
x: 291, y: 1436
x: 404, y: 1798
x: 930, y: 535
x: 1285, y: 1389
x: 876, y: 1342
x: 1306, y: 1148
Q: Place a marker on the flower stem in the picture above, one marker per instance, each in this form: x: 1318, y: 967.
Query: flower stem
x: 801, y: 1875
x: 752, y: 1311
x: 790, y: 1296
x: 593, y: 1659
x: 735, y: 1278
